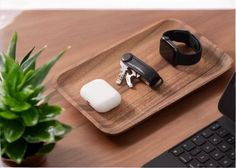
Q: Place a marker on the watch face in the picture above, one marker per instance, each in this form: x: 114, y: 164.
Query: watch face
x: 167, y: 52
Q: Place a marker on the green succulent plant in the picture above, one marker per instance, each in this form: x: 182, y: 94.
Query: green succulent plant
x: 28, y: 124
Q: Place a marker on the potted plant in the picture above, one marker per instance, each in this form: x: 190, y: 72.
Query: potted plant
x: 28, y: 127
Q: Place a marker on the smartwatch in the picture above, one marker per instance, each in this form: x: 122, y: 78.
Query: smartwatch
x: 171, y: 53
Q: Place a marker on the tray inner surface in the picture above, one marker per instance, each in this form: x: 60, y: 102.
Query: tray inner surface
x: 141, y: 101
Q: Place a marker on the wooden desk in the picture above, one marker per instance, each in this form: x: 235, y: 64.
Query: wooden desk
x: 88, y: 32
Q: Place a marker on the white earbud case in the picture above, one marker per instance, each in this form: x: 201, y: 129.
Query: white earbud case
x: 100, y: 95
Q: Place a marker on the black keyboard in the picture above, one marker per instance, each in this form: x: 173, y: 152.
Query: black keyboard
x: 213, y: 146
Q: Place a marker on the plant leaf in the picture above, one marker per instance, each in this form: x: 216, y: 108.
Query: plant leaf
x: 46, y: 149
x: 13, y: 131
x: 3, y: 144
x: 2, y: 121
x: 14, y: 75
x: 16, y: 105
x: 2, y: 60
x: 30, y: 117
x: 11, y: 52
x: 16, y: 150
x: 40, y: 74
x: 67, y: 129
x: 27, y: 56
x: 30, y: 63
x: 8, y: 64
x: 3, y: 149
x: 8, y: 115
x: 26, y: 92
x: 45, y: 132
x: 48, y: 112
x: 27, y: 75
x: 37, y: 96
x: 20, y: 107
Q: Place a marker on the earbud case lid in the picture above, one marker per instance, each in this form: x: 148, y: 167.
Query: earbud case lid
x: 100, y: 95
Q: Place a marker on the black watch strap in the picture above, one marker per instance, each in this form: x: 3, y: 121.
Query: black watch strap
x: 191, y: 41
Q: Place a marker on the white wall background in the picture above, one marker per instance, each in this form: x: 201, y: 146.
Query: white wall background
x: 116, y: 4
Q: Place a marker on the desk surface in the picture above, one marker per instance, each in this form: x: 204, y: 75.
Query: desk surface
x: 88, y: 32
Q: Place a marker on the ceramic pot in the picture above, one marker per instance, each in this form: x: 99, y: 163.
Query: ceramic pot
x: 30, y: 161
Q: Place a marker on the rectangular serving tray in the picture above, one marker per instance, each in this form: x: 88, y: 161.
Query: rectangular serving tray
x: 141, y: 101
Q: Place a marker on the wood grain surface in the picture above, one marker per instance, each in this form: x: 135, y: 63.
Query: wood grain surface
x: 90, y: 32
x: 141, y: 101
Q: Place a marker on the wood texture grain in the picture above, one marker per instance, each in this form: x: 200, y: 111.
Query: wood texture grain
x: 141, y: 101
x: 90, y: 32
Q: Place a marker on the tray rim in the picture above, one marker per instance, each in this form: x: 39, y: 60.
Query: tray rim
x: 110, y: 131
x: 55, y: 80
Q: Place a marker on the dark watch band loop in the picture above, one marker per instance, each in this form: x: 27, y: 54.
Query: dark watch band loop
x: 185, y: 37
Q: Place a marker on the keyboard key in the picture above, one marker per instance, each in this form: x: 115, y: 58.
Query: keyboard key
x: 223, y: 146
x: 185, y: 158
x: 195, y: 151
x: 231, y: 154
x: 177, y: 151
x: 207, y: 133
x: 216, y: 154
x: 230, y: 139
x: 202, y: 157
x: 222, y: 132
x: 194, y: 163
x: 211, y: 163
x: 215, y: 126
x: 198, y: 140
x: 215, y: 139
x: 188, y: 145
x: 207, y: 147
x: 226, y: 162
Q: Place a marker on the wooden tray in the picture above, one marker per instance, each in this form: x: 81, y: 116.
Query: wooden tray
x: 141, y: 101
